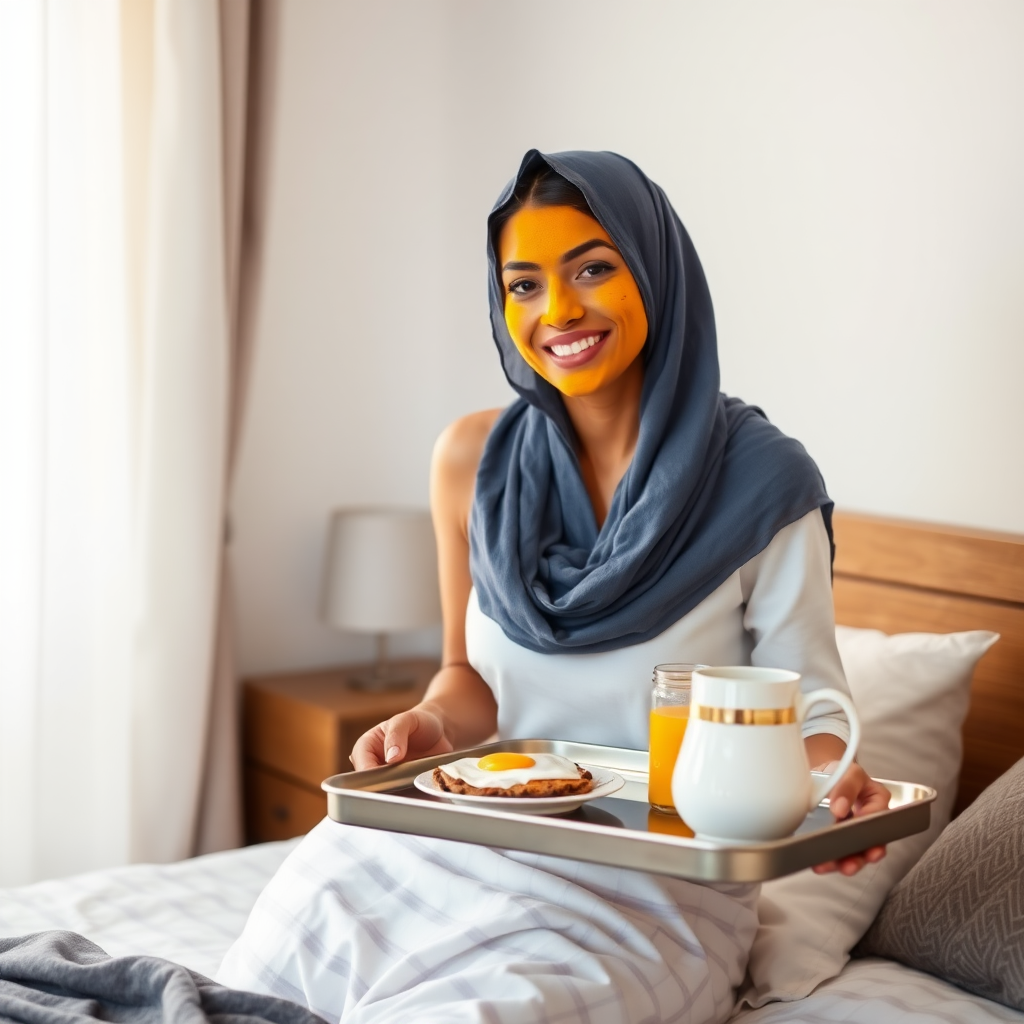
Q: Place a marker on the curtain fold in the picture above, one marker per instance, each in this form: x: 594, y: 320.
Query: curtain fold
x: 183, y: 429
x: 219, y: 825
x: 121, y: 376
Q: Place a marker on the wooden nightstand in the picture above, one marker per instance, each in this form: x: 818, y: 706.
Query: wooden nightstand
x: 297, y: 730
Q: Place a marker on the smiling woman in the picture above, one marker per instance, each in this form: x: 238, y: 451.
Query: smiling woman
x: 621, y: 514
x: 573, y: 309
x: 577, y: 318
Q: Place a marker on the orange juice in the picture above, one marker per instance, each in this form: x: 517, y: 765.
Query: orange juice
x: 668, y: 726
x: 668, y: 825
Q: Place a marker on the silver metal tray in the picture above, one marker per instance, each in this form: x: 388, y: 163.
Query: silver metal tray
x: 621, y: 829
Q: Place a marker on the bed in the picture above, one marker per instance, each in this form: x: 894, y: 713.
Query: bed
x: 890, y: 575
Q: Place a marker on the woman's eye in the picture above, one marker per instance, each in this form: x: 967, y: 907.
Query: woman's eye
x: 592, y: 270
x: 522, y: 287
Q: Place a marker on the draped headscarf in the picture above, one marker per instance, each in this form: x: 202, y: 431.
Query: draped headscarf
x: 710, y: 483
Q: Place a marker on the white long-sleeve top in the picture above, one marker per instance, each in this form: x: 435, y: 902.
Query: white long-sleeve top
x: 775, y: 611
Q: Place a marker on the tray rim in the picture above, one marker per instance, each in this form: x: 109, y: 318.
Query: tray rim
x: 367, y: 799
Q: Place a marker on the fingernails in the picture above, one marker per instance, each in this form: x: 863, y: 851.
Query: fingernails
x: 840, y: 807
x: 391, y: 754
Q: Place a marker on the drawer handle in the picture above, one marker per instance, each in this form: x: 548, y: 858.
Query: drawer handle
x: 280, y: 813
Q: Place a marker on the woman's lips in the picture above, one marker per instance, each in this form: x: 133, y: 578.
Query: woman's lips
x: 575, y: 348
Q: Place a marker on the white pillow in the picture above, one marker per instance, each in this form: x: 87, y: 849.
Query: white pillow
x: 911, y: 691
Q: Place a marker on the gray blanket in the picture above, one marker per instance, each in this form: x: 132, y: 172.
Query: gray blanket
x: 62, y: 978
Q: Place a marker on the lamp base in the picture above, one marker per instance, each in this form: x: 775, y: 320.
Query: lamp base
x: 383, y: 675
x: 374, y: 679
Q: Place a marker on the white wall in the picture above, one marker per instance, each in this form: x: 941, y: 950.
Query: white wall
x: 850, y: 173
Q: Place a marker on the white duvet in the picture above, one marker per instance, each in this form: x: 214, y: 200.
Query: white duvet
x: 191, y: 912
x: 378, y: 928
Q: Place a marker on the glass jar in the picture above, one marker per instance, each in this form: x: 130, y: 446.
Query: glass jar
x: 670, y: 713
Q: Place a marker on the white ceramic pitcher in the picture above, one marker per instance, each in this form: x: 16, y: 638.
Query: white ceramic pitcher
x: 742, y: 772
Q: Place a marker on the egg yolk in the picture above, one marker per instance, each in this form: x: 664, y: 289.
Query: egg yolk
x: 502, y: 762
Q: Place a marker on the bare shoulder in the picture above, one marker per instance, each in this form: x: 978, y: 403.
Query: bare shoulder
x: 457, y: 454
x: 461, y: 443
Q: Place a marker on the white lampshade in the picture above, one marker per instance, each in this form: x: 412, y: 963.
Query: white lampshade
x: 380, y: 575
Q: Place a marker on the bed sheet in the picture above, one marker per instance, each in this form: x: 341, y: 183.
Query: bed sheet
x: 192, y: 911
x: 189, y: 912
x: 875, y: 991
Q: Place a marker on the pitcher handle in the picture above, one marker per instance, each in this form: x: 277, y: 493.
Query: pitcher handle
x: 820, y: 788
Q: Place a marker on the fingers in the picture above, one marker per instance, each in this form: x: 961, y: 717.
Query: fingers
x: 396, y: 736
x: 385, y: 743
x: 872, y: 798
x: 368, y: 751
x: 852, y: 864
x: 842, y: 796
x: 413, y: 733
x: 859, y: 794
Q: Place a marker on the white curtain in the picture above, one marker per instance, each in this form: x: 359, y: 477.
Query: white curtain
x: 115, y: 397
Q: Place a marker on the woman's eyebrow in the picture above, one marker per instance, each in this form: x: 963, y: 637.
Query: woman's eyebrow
x: 568, y: 257
x: 579, y: 250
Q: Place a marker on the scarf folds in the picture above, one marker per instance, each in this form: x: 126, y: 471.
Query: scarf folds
x: 710, y: 483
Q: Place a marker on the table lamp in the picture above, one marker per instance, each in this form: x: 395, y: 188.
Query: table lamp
x: 380, y: 577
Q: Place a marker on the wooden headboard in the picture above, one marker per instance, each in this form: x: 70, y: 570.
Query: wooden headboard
x: 905, y: 577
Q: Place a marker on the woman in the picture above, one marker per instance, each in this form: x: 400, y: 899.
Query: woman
x: 622, y: 513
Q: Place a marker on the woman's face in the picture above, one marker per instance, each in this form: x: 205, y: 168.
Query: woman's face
x: 571, y: 304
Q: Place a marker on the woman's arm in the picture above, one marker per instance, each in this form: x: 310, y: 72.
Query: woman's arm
x: 458, y: 709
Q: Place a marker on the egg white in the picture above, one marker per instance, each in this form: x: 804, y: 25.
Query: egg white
x: 548, y: 766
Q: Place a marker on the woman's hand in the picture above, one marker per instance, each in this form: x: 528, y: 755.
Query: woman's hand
x: 858, y: 794
x: 419, y: 732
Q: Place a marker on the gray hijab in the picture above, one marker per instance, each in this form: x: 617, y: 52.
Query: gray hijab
x: 711, y: 480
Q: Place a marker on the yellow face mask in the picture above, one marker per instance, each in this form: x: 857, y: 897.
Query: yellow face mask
x: 571, y: 304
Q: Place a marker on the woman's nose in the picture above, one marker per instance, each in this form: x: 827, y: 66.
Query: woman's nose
x: 563, y: 305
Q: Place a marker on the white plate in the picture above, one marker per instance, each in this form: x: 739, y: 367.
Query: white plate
x: 605, y: 783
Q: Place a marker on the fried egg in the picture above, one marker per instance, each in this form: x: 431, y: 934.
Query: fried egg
x: 503, y: 770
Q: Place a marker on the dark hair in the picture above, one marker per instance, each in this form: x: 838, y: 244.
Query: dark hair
x: 543, y: 187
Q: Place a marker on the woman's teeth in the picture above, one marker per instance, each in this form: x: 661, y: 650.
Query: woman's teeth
x: 577, y: 346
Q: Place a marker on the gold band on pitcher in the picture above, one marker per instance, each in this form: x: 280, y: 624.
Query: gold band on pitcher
x: 744, y: 716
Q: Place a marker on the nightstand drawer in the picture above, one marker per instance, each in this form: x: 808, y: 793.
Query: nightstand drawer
x: 296, y: 738
x: 298, y: 730
x: 278, y: 809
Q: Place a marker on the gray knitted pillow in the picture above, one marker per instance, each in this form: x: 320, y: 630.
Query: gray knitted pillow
x: 959, y: 913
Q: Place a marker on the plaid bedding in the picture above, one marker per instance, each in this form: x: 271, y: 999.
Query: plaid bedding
x: 189, y: 912
x: 372, y: 927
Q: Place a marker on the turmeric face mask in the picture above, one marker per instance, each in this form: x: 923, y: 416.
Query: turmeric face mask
x: 571, y: 304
